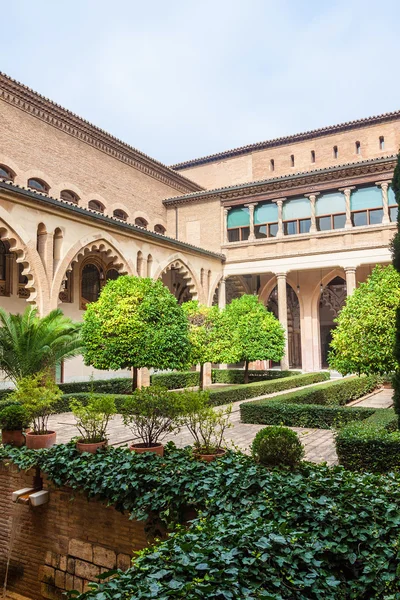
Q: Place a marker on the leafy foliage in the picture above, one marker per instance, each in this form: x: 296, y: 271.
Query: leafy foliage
x: 38, y: 394
x: 206, y: 425
x: 363, y: 341
x: 29, y: 343
x: 275, y: 446
x: 396, y: 263
x: 254, y: 333
x: 306, y: 534
x: 135, y: 323
x: 93, y: 417
x: 14, y: 417
x: 153, y: 412
x: 182, y: 379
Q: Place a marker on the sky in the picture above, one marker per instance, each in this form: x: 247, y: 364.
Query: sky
x: 180, y: 79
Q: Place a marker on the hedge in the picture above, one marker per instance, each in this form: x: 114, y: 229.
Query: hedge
x: 117, y: 385
x: 373, y: 445
x: 175, y: 380
x: 318, y: 407
x: 63, y: 404
x: 262, y: 388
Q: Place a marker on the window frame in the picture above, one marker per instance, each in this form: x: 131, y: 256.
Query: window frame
x: 10, y: 175
x: 102, y: 207
x: 241, y: 238
x: 75, y: 197
x: 143, y: 220
x: 368, y: 211
x: 268, y: 227
x: 297, y: 221
x: 331, y: 216
x: 41, y: 182
x: 123, y: 215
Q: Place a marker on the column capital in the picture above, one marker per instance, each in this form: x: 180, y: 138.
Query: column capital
x: 251, y: 204
x: 350, y: 269
x: 385, y: 183
x: 348, y: 188
x: 279, y: 200
x: 281, y: 275
x: 312, y: 195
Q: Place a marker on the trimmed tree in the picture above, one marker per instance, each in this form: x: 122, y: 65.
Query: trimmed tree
x: 251, y: 332
x: 135, y: 323
x: 203, y: 334
x: 363, y: 341
x: 396, y: 263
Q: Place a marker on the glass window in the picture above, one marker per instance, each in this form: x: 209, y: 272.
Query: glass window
x: 290, y: 227
x: 273, y: 229
x: 234, y: 235
x: 141, y: 222
x: 69, y: 196
x: 120, y: 214
x: 339, y: 221
x: 112, y: 274
x: 360, y: 218
x: 39, y: 185
x: 260, y: 231
x: 6, y: 173
x: 90, y: 284
x: 393, y: 210
x: 96, y: 205
x: 324, y: 223
x: 375, y: 216
x: 305, y: 225
x: 159, y: 229
x: 245, y: 232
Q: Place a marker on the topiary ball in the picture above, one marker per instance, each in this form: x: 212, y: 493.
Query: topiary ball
x: 275, y: 446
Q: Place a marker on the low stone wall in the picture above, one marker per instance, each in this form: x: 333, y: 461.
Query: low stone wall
x: 64, y: 544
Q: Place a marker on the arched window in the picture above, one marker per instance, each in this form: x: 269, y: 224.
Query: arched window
x: 69, y: 196
x: 358, y: 147
x: 141, y: 222
x: 38, y: 185
x: 90, y: 284
x: 112, y: 274
x: 159, y: 229
x: 96, y: 205
x: 6, y: 173
x: 335, y: 152
x: 120, y: 214
x: 3, y: 272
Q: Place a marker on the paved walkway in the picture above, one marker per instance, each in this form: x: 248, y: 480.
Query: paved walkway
x: 318, y: 443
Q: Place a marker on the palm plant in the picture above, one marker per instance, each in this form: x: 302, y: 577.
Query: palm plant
x: 30, y: 343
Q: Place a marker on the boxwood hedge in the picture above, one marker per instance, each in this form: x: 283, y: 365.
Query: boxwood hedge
x: 181, y: 379
x: 311, y: 533
x: 319, y: 407
x: 373, y: 445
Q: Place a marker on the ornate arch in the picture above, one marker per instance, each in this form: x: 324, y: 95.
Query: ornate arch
x: 82, y: 249
x: 27, y: 255
x: 185, y: 270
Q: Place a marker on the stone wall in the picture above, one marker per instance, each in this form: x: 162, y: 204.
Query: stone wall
x: 64, y: 544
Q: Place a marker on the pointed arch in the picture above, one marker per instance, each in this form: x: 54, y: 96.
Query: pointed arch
x: 186, y: 271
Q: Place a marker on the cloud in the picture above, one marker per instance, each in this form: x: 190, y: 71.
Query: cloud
x: 185, y: 78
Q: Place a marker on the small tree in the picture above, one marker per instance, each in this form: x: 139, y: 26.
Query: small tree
x: 363, y: 341
x: 252, y: 333
x: 135, y: 323
x: 203, y: 334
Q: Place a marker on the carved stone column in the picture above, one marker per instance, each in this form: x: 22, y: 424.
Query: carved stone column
x: 351, y: 282
x: 279, y: 204
x: 282, y: 314
x: 226, y: 211
x: 384, y: 185
x: 312, y: 198
x: 251, y: 215
x: 222, y: 293
x: 347, y: 194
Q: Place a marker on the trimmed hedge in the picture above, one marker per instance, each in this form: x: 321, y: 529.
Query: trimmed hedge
x: 252, y: 390
x: 117, y: 385
x: 319, y: 407
x: 175, y: 380
x: 373, y: 445
x: 63, y: 404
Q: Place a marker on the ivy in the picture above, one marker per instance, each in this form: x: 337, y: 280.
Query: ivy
x: 316, y: 532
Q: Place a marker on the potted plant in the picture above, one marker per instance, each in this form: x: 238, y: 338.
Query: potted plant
x: 206, y: 425
x: 38, y: 394
x: 13, y: 420
x: 92, y: 420
x: 151, y: 413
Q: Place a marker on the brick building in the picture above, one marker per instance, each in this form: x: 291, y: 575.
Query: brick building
x: 299, y: 220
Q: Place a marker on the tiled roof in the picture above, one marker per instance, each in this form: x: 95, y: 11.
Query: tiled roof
x: 289, y: 139
x: 88, y: 213
x: 282, y: 178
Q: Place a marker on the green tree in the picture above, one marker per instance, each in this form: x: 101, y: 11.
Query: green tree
x: 251, y: 332
x: 135, y: 323
x: 203, y: 334
x: 29, y: 343
x: 363, y: 341
x: 396, y: 263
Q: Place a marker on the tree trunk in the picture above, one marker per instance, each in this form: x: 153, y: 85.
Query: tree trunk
x: 201, y: 377
x: 246, y: 371
x: 134, y: 378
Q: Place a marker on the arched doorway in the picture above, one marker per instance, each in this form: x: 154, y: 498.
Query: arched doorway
x: 294, y: 327
x: 333, y: 297
x: 177, y: 284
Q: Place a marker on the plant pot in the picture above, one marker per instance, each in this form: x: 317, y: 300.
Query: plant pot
x: 387, y: 385
x: 36, y: 441
x: 90, y: 447
x: 210, y: 457
x: 13, y: 437
x: 141, y: 448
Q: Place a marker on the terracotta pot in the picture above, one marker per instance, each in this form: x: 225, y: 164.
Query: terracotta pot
x: 210, y: 457
x: 36, y: 442
x: 14, y: 437
x: 387, y: 385
x: 91, y: 448
x: 141, y: 448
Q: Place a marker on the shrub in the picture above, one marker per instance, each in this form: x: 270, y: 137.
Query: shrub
x: 206, y: 425
x: 274, y: 446
x: 176, y: 380
x: 373, y: 445
x: 93, y: 417
x: 181, y: 379
x: 313, y: 407
x: 14, y: 417
x: 252, y: 390
x: 38, y: 394
x: 117, y: 385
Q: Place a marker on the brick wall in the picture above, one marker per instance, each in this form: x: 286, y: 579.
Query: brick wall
x: 64, y: 544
